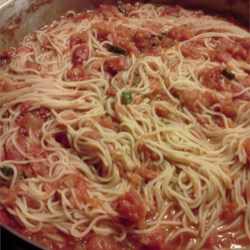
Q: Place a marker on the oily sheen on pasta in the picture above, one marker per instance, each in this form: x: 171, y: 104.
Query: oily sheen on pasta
x: 128, y: 127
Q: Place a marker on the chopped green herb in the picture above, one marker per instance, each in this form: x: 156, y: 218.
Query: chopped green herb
x: 117, y: 49
x: 121, y: 9
x: 5, y: 115
x: 229, y: 75
x: 156, y: 39
x: 160, y: 36
x: 23, y: 174
x: 127, y: 96
x: 7, y: 171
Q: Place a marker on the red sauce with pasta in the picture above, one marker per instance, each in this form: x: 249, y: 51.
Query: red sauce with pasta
x: 127, y: 127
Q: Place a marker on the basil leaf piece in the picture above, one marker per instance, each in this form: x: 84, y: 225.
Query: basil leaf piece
x: 117, y: 50
x: 7, y: 171
x: 229, y: 75
x: 160, y: 36
x: 127, y: 96
x: 121, y: 9
x: 23, y: 174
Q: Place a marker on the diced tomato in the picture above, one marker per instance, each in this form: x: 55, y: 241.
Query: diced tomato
x: 76, y: 74
x: 190, y: 99
x: 246, y: 146
x: 51, y: 186
x: 134, y: 179
x: 38, y: 169
x: 148, y: 152
x: 110, y: 12
x: 155, y: 87
x: 33, y: 65
x: 12, y: 153
x: 230, y: 108
x: 127, y: 8
x: 244, y: 81
x: 167, y: 42
x: 94, y: 135
x: 9, y: 195
x: 29, y: 121
x: 85, y: 15
x: 148, y: 174
x: 142, y: 40
x: 161, y: 111
x: 42, y: 112
x: 24, y: 49
x: 80, y: 185
x: 229, y: 212
x: 77, y: 38
x: 213, y: 79
x: 154, y: 240
x: 225, y: 44
x: 222, y: 56
x: 80, y: 54
x: 7, y: 219
x: 6, y: 54
x: 123, y: 33
x: 233, y: 47
x: 245, y: 42
x: 62, y: 139
x: 111, y: 91
x: 25, y: 106
x: 212, y: 240
x: 7, y: 86
x: 132, y: 206
x: 168, y: 10
x: 102, y: 243
x: 208, y: 99
x: 107, y: 122
x: 248, y: 187
x: 190, y: 49
x: 180, y: 33
x: 115, y: 65
x: 104, y: 30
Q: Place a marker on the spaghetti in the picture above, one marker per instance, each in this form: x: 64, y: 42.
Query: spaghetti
x: 128, y: 127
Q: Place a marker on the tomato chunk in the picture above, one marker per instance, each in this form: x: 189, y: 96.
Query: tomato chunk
x: 143, y: 40
x: 7, y: 53
x: 76, y: 74
x: 230, y: 109
x: 103, y: 30
x: 190, y: 99
x: 77, y: 38
x: 212, y: 78
x: 107, y: 122
x: 180, y: 33
x: 29, y: 121
x: 102, y: 243
x: 169, y: 10
x: 115, y: 65
x: 229, y: 212
x: 33, y: 65
x: 132, y: 206
x: 246, y: 146
x: 161, y: 111
x: 80, y: 54
x: 237, y: 49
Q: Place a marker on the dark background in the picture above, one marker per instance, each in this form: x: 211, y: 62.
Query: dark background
x: 9, y: 241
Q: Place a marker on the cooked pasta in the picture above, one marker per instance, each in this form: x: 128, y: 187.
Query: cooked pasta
x: 128, y: 127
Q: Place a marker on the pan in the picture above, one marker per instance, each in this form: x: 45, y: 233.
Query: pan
x: 20, y: 17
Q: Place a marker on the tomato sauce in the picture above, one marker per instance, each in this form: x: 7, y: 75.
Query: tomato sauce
x: 131, y: 207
